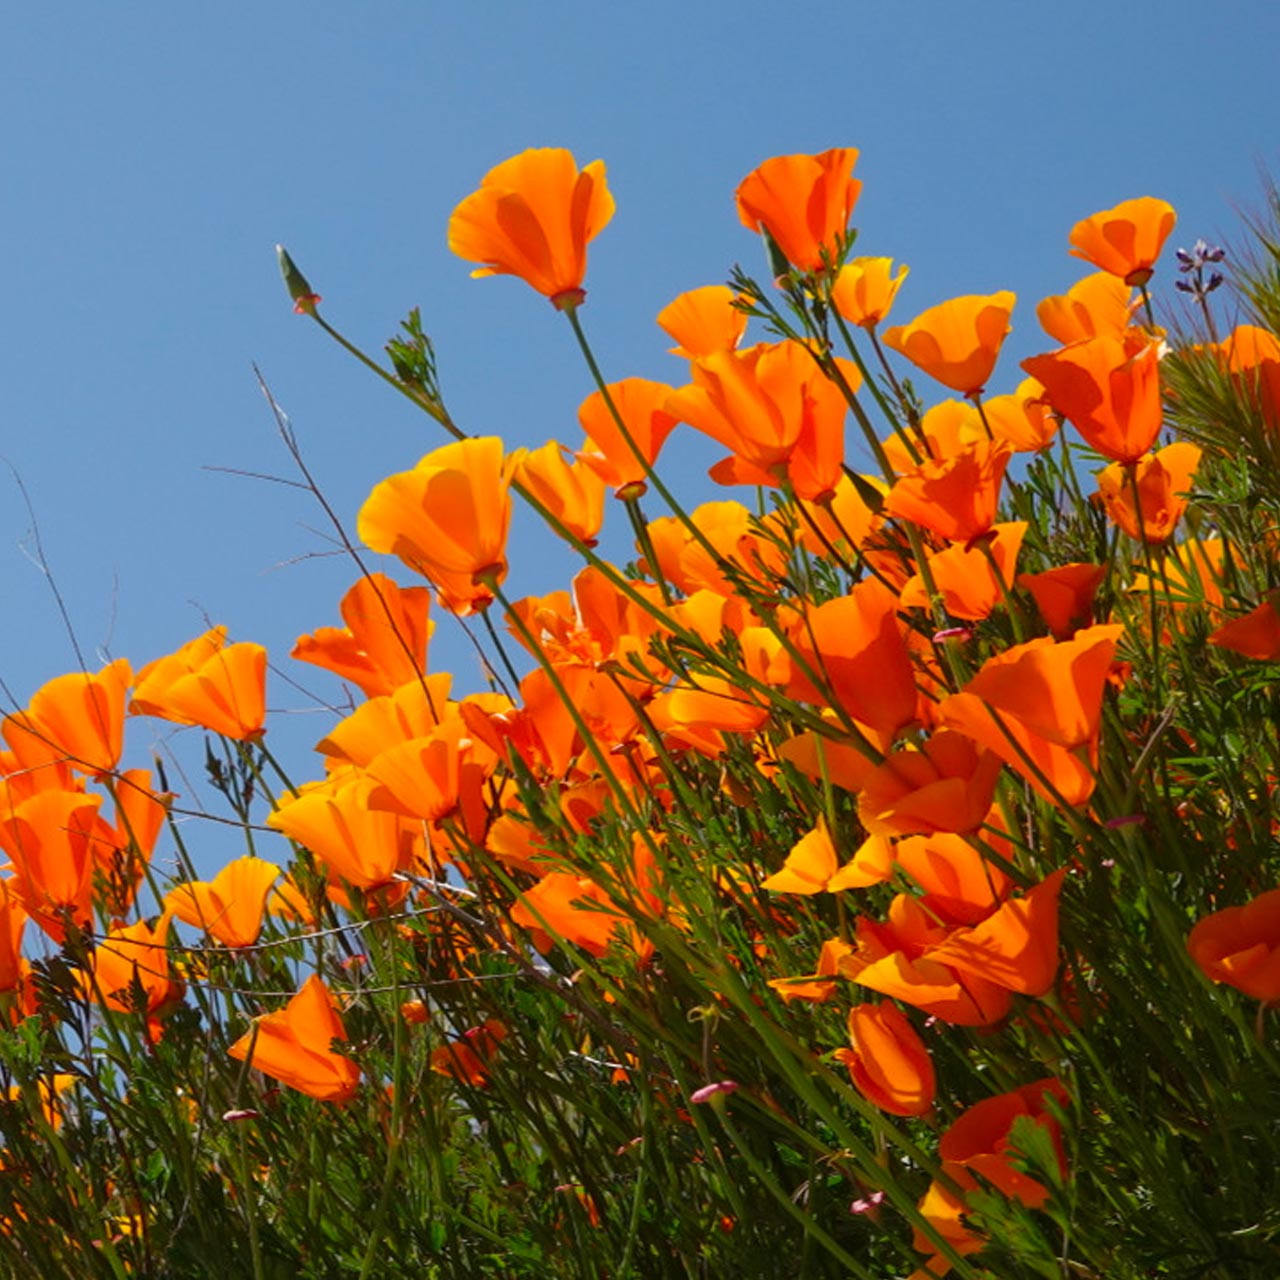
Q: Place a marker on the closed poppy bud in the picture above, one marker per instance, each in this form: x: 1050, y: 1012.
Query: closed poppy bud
x: 888, y: 1063
x: 533, y: 217
x: 414, y: 1012
x: 958, y: 341
x: 865, y: 288
x: 1126, y: 240
x: 1241, y: 946
x: 803, y: 202
x: 1161, y: 480
x: 305, y: 299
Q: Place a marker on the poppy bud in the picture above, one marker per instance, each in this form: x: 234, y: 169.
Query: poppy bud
x: 304, y: 297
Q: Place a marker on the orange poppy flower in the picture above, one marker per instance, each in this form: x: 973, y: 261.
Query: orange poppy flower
x: 384, y: 643
x: 447, y: 519
x: 1252, y: 356
x: 77, y: 717
x: 1099, y: 304
x: 293, y: 1045
x: 132, y: 957
x: 1065, y: 595
x: 957, y: 497
x: 812, y: 866
x: 958, y: 884
x: 1023, y: 419
x: 864, y: 290
x: 13, y: 921
x: 888, y: 1063
x: 209, y: 683
x: 1126, y: 240
x: 703, y: 321
x: 1256, y: 635
x: 572, y: 492
x: 1241, y: 946
x: 727, y: 526
x: 1162, y: 479
x: 958, y: 341
x: 230, y: 907
x: 964, y: 1000
x: 965, y: 574
x: 804, y: 203
x: 533, y: 217
x: 1109, y: 388
x: 640, y: 405
x: 468, y: 1059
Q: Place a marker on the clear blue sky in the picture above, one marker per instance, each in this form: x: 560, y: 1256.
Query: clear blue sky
x: 154, y: 154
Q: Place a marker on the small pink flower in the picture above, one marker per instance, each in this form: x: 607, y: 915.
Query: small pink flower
x: 709, y: 1091
x: 873, y: 1201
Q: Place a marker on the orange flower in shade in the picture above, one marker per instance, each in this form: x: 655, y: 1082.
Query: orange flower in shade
x: 803, y: 202
x: 957, y: 342
x: 469, y: 1058
x: 1065, y: 595
x: 1252, y: 356
x: 727, y: 526
x: 230, y: 907
x: 1109, y: 388
x: 571, y: 492
x: 293, y: 1045
x: 1043, y: 701
x: 1257, y: 634
x: 812, y: 865
x: 209, y: 683
x: 957, y: 497
x: 703, y: 321
x: 1241, y: 946
x: 447, y: 519
x: 1162, y: 480
x: 640, y: 405
x: 971, y: 579
x: 533, y: 217
x: 78, y: 718
x: 383, y: 645
x: 13, y: 921
x: 958, y: 884
x: 1098, y: 305
x: 1125, y: 241
x: 864, y: 290
x: 773, y: 407
x: 946, y: 785
x: 132, y: 957
x: 888, y: 1063
x: 1016, y: 947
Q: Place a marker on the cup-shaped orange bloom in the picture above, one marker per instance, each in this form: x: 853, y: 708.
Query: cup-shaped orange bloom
x: 130, y: 959
x: 447, y: 519
x: 640, y: 404
x: 1256, y: 635
x: 958, y: 341
x: 961, y: 999
x: 1065, y: 595
x: 1241, y: 946
x: 383, y: 645
x: 77, y: 717
x: 230, y: 907
x: 865, y: 288
x: 972, y: 579
x: 1109, y: 388
x: 1252, y: 357
x: 944, y: 786
x: 1162, y: 481
x: 572, y: 492
x: 533, y: 217
x: 810, y: 866
x: 803, y: 202
x: 13, y: 921
x: 1099, y: 304
x: 209, y: 683
x: 686, y: 564
x: 959, y: 885
x: 1126, y: 240
x: 703, y: 321
x: 957, y: 497
x: 773, y: 407
x: 888, y: 1063
x: 1023, y: 419
x: 469, y: 1058
x: 293, y: 1045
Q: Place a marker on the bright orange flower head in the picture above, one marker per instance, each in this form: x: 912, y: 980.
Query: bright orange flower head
x: 1241, y: 946
x: 470, y: 1058
x: 209, y: 683
x: 1098, y: 304
x: 447, y: 519
x: 132, y: 957
x: 1162, y: 480
x: 803, y: 202
x: 957, y: 342
x: 956, y: 498
x: 1126, y: 240
x: 230, y: 907
x: 865, y: 288
x: 1064, y: 595
x: 966, y: 576
x: 888, y: 1063
x: 1252, y: 357
x: 1109, y: 387
x: 1256, y: 635
x: 640, y: 404
x: 571, y: 491
x: 1023, y: 419
x: 703, y: 321
x: 533, y: 217
x: 292, y: 1045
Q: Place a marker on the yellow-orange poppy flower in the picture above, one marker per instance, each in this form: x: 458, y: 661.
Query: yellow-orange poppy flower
x: 447, y: 519
x: 864, y: 290
x: 957, y: 497
x: 703, y: 321
x: 1256, y: 635
x: 533, y: 217
x: 1064, y: 595
x: 292, y: 1045
x: 1241, y: 946
x: 640, y: 404
x: 132, y: 957
x: 572, y: 492
x: 958, y: 341
x: 1098, y: 304
x: 972, y: 579
x: 1126, y: 240
x: 230, y: 907
x: 1162, y: 481
x: 888, y: 1062
x: 803, y: 201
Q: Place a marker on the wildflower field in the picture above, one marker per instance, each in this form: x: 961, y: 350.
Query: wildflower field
x: 875, y: 877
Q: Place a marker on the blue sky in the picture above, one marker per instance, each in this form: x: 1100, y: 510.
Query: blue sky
x: 155, y: 154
